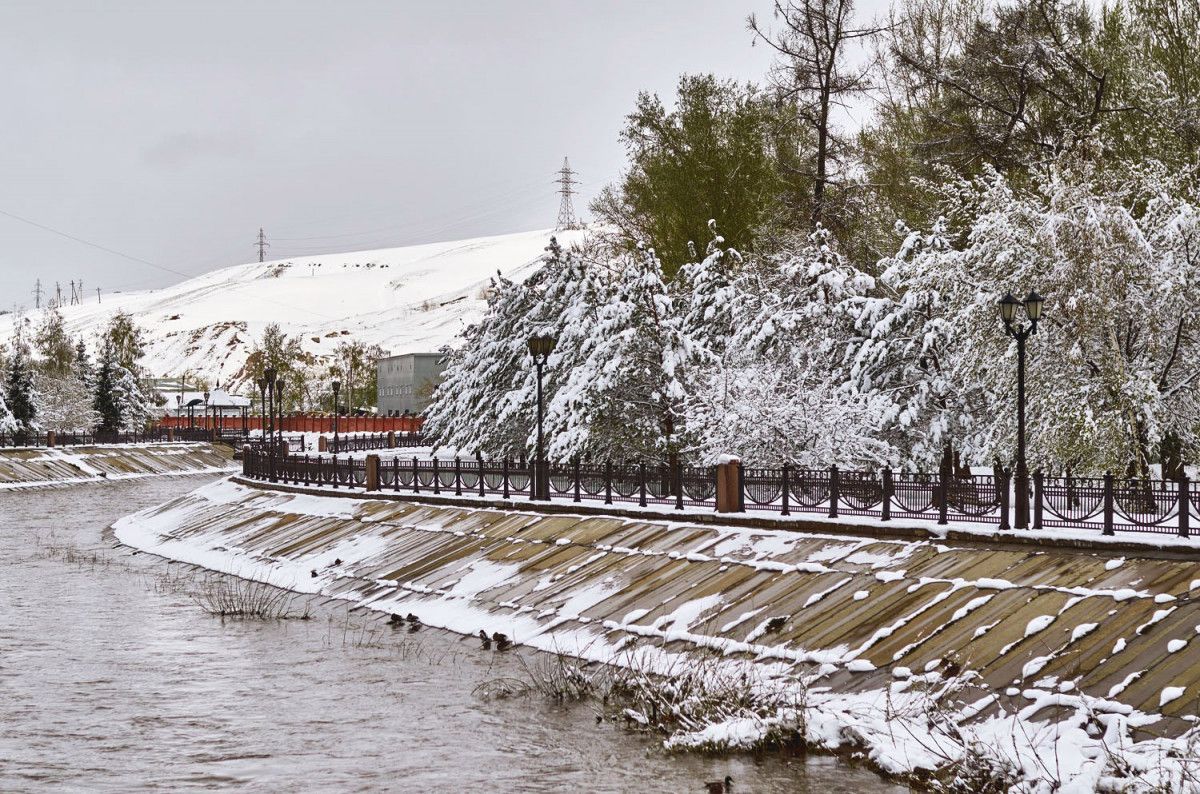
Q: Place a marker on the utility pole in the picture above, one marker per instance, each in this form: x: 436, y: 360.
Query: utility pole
x: 262, y: 244
x: 97, y: 294
x: 80, y: 301
x: 566, y: 210
x: 57, y: 295
x: 37, y: 294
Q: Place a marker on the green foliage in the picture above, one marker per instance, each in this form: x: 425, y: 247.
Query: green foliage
x: 725, y: 152
x: 125, y: 338
x: 54, y: 347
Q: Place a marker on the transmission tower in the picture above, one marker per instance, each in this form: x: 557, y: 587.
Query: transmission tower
x: 262, y: 244
x: 37, y: 293
x: 566, y: 210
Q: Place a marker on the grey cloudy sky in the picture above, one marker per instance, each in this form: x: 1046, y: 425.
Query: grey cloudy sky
x: 171, y: 131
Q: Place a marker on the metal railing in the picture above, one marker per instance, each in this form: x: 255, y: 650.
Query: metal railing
x: 362, y: 442
x: 79, y: 439
x: 1107, y: 504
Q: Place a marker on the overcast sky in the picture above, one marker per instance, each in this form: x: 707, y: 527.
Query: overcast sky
x: 171, y: 131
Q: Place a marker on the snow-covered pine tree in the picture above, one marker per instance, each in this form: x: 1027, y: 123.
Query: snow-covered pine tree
x: 8, y: 422
x: 82, y: 367
x: 478, y: 405
x: 487, y: 401
x: 20, y: 394
x: 628, y: 394
x: 131, y: 400
x: 781, y: 395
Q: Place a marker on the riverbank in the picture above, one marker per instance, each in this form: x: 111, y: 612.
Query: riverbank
x: 22, y: 468
x: 923, y: 656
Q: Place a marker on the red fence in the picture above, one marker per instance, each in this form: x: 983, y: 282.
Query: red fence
x: 300, y: 423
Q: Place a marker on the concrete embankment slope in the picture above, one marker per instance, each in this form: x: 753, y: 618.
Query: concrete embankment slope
x: 32, y: 468
x: 866, y: 628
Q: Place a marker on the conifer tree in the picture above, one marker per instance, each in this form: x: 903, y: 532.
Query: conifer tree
x: 20, y: 396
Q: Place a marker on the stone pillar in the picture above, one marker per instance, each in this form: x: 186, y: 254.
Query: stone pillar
x: 322, y: 444
x: 284, y: 449
x: 391, y: 439
x: 372, y: 472
x: 49, y: 438
x: 170, y: 434
x: 728, y: 484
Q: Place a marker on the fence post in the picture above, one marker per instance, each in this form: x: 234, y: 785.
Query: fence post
x: 372, y: 473
x: 678, y: 477
x: 730, y: 486
x: 457, y: 476
x: 608, y: 482
x: 741, y: 486
x: 534, y: 467
x: 885, y: 495
x: 437, y: 484
x: 1108, y: 503
x: 642, y: 484
x: 335, y: 474
x: 576, y: 474
x: 504, y: 475
x: 1037, y: 499
x: 416, y: 476
x: 944, y: 495
x: 1185, y: 505
x: 50, y: 438
x: 787, y: 472
x: 834, y: 489
x: 479, y: 460
x: 395, y: 473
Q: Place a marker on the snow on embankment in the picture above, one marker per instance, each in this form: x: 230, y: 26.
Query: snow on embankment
x: 407, y: 300
x: 34, y: 468
x: 1063, y: 665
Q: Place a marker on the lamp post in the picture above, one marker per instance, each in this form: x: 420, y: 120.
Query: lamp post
x: 540, y: 347
x: 337, y: 385
x: 279, y: 408
x: 269, y: 436
x: 1021, y: 332
x: 262, y: 406
x: 206, y: 426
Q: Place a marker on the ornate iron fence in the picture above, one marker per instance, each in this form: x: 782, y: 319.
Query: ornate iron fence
x: 362, y: 442
x: 79, y: 439
x: 1104, y: 503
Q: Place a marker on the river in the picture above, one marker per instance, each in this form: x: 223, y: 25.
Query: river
x: 113, y: 678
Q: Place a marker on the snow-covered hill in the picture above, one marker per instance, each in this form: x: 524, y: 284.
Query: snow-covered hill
x: 406, y: 300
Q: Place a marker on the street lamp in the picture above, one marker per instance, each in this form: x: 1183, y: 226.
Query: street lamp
x: 262, y: 406
x: 269, y: 436
x: 1021, y: 332
x: 206, y: 409
x: 279, y: 408
x: 337, y: 385
x: 540, y: 347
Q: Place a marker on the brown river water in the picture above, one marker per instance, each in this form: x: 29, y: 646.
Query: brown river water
x: 113, y: 678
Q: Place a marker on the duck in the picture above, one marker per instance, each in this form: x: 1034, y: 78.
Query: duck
x: 720, y: 786
x: 485, y: 640
x: 414, y: 622
x: 396, y: 620
x: 314, y: 573
x: 338, y: 561
x: 502, y: 641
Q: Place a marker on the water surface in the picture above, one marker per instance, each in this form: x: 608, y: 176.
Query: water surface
x: 112, y: 678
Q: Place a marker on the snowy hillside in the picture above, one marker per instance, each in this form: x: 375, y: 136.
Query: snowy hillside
x: 406, y: 300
